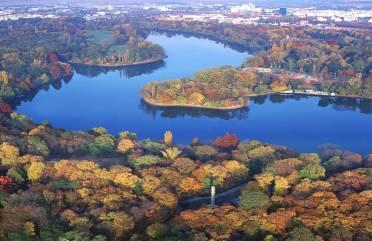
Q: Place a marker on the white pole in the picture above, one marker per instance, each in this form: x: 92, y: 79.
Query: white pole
x: 213, y: 194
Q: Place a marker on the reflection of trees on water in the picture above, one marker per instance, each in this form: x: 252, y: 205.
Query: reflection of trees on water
x: 337, y: 103
x: 91, y: 71
x: 30, y: 95
x: 234, y: 46
x: 128, y: 71
x: 175, y: 112
x: 347, y: 104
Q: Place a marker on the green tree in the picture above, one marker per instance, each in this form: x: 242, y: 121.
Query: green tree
x: 102, y: 145
x: 37, y: 146
x: 312, y: 171
x: 146, y: 160
x: 252, y: 200
x: 303, y: 234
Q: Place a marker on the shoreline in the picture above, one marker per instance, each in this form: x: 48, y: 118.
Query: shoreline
x: 237, y: 107
x: 119, y: 65
x: 321, y: 95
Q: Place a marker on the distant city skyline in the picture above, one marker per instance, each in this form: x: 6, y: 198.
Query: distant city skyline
x: 272, y: 3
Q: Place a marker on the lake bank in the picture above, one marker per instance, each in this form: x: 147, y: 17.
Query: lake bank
x: 150, y: 61
x: 79, y: 104
x: 235, y: 107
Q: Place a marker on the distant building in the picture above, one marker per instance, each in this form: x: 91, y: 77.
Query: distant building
x: 283, y: 11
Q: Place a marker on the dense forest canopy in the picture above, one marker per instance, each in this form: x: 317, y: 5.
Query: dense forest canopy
x: 228, y: 87
x: 58, y: 185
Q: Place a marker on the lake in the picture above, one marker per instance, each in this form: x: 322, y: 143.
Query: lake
x: 111, y: 98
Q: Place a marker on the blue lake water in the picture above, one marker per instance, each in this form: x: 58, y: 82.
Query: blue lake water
x: 111, y: 99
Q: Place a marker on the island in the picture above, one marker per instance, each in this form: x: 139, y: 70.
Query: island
x: 219, y: 89
x: 229, y: 88
x: 120, y: 47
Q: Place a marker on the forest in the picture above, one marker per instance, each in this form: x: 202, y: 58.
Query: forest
x: 59, y: 185
x: 215, y: 88
x: 230, y: 88
x: 36, y: 52
x: 339, y: 58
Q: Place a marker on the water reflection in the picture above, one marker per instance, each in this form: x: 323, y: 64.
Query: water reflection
x: 337, y: 103
x: 175, y: 112
x: 237, y: 47
x: 347, y: 104
x: 127, y: 72
x: 30, y: 95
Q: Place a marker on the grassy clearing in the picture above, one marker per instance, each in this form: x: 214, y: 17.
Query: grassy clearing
x: 100, y: 36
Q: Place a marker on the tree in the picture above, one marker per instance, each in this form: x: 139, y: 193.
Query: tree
x: 37, y: 146
x: 17, y: 174
x: 228, y: 141
x: 196, y: 99
x: 157, y: 230
x: 279, y: 86
x: 8, y: 154
x: 303, y: 234
x: 102, y: 145
x: 29, y: 229
x: 35, y: 171
x: 166, y: 198
x: 265, y: 180
x: 171, y: 153
x: 168, y: 138
x: 125, y: 145
x: 252, y: 200
x: 189, y: 186
x: 184, y: 165
x: 5, y: 108
x: 4, y: 182
x: 312, y: 171
x: 281, y: 186
x: 150, y: 184
x: 143, y: 161
x: 126, y: 179
x: 4, y: 78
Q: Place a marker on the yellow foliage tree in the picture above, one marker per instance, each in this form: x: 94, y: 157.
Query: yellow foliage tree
x: 196, y: 99
x: 87, y: 165
x: 4, y: 77
x: 122, y: 223
x: 281, y: 186
x: 168, y: 138
x: 29, y: 229
x: 150, y: 184
x: 35, y: 171
x: 236, y: 169
x: 125, y: 145
x: 264, y: 180
x: 8, y: 154
x: 164, y: 197
x: 171, y: 153
x: 279, y: 86
x: 126, y: 179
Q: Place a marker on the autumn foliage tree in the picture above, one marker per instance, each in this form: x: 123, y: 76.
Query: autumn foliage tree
x: 228, y: 141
